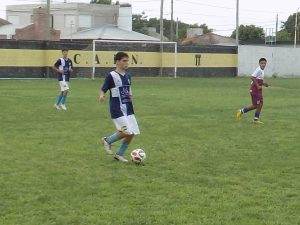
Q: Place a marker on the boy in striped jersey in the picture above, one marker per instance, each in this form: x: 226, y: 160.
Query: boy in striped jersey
x: 118, y: 82
x: 63, y: 69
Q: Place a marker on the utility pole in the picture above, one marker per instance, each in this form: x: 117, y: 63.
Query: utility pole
x: 276, y: 31
x: 237, y: 33
x: 161, y: 35
x: 48, y: 36
x: 172, y: 22
x: 177, y: 29
x: 48, y: 33
x: 237, y: 23
x: 296, y: 25
x: 161, y: 20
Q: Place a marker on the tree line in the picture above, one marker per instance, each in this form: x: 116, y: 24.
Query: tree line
x: 286, y: 31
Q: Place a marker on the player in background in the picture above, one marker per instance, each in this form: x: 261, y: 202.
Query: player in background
x: 63, y: 68
x: 118, y: 82
x: 256, y: 87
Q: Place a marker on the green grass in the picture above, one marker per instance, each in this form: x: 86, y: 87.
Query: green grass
x: 203, y: 167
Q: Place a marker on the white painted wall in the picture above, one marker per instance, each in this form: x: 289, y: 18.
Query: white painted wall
x: 125, y: 18
x: 282, y: 61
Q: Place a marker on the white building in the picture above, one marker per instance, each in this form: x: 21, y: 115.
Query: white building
x: 73, y: 17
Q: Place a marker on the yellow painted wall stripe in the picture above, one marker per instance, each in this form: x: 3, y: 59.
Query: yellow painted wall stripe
x: 40, y: 58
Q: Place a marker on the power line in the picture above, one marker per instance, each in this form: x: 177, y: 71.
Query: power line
x: 214, y: 6
x: 262, y: 22
x: 230, y: 8
x: 219, y: 16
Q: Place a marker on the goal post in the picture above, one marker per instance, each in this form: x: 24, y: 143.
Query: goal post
x: 100, y: 46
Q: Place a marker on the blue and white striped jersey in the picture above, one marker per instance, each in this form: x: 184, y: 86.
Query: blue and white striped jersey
x: 65, y: 65
x: 120, y: 94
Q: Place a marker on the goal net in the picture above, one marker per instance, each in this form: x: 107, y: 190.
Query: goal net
x: 146, y: 58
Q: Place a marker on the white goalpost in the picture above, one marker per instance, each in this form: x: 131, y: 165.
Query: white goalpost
x: 161, y: 51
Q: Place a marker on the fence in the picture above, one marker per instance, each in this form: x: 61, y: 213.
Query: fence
x: 32, y: 59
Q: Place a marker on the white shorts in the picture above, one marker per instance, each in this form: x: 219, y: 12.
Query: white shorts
x: 127, y: 124
x: 64, y: 86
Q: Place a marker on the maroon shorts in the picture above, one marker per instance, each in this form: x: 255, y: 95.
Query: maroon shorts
x: 257, y: 99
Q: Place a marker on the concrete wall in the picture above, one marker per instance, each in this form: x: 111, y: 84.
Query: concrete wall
x: 282, y: 61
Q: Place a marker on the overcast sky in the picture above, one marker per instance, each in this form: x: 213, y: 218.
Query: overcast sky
x: 217, y: 14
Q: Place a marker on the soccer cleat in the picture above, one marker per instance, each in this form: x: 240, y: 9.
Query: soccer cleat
x: 258, y: 122
x: 120, y: 158
x: 57, y: 107
x: 63, y: 106
x: 107, y: 146
x: 238, y: 115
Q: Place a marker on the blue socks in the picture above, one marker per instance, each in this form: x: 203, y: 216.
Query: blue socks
x: 256, y: 116
x: 113, y: 138
x: 244, y: 110
x: 63, y: 99
x: 122, y: 149
x: 59, y: 98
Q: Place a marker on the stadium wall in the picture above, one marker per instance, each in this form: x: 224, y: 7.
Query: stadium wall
x: 282, y: 61
x: 32, y: 59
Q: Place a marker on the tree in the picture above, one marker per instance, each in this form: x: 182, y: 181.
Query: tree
x: 106, y: 2
x: 283, y: 35
x: 289, y: 25
x: 249, y: 33
x: 140, y: 22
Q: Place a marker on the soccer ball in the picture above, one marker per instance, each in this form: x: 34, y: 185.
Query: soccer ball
x: 138, y: 155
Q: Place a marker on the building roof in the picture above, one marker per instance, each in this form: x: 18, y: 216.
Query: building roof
x: 3, y: 22
x: 109, y: 32
x: 209, y: 39
x: 152, y: 32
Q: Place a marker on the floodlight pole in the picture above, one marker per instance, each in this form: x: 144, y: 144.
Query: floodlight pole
x: 295, y: 38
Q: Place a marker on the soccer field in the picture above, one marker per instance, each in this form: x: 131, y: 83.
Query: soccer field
x: 202, y: 166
